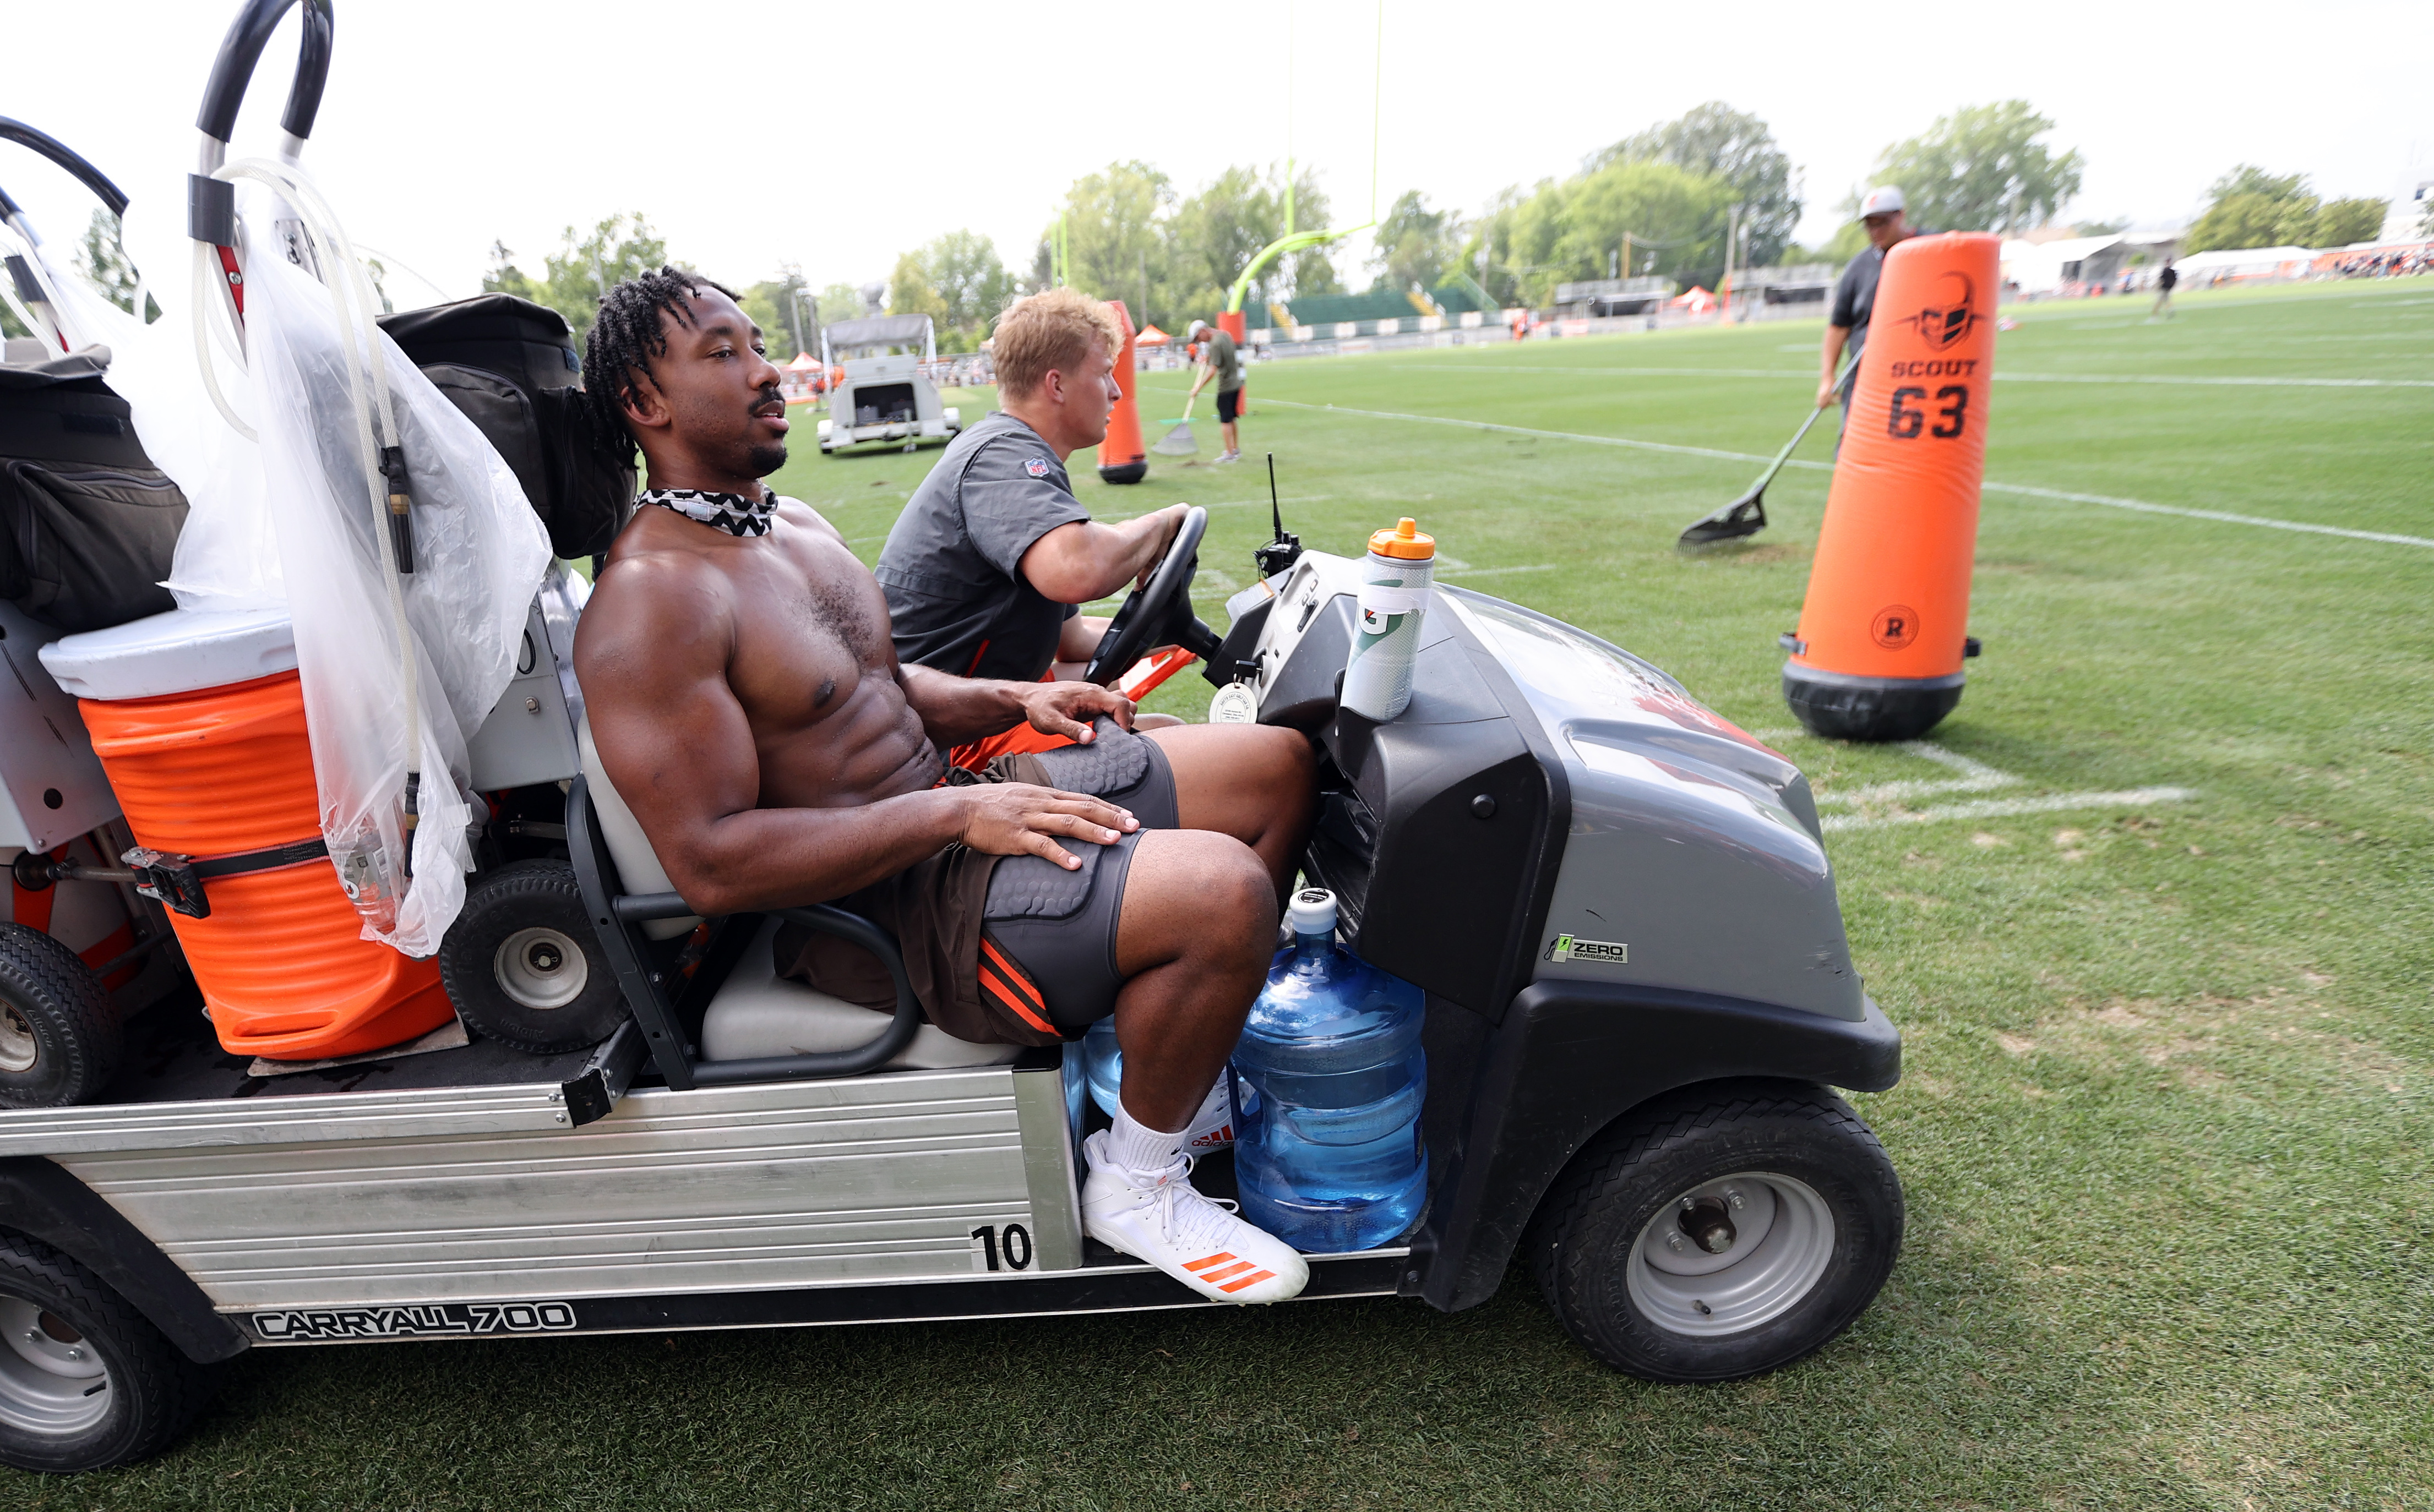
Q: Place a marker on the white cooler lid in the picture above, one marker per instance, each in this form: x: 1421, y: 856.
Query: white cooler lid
x: 174, y: 653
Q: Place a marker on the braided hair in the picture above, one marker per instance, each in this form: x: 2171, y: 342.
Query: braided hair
x: 625, y: 338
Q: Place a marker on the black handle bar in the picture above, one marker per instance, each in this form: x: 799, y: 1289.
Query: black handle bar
x: 241, y: 48
x: 869, y: 1056
x: 643, y: 985
x: 59, y: 152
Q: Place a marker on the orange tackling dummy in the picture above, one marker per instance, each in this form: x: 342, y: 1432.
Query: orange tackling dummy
x: 1885, y: 629
x: 1120, y: 457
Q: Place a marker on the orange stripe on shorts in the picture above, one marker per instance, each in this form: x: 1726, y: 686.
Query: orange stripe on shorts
x: 1008, y: 990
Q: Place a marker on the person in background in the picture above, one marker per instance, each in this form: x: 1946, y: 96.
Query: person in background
x: 1883, y: 213
x: 1220, y: 361
x: 2163, y: 283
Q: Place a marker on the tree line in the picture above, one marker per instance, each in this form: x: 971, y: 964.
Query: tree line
x: 1664, y: 201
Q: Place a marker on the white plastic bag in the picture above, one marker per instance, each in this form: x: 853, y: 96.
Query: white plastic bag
x: 375, y: 689
x: 227, y: 558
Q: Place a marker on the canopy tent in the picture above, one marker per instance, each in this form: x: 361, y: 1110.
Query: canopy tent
x: 2046, y: 268
x: 845, y: 337
x: 1151, y: 336
x: 803, y: 379
x: 2244, y: 262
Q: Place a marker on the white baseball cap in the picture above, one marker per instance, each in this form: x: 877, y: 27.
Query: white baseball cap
x: 1196, y: 328
x: 1882, y: 200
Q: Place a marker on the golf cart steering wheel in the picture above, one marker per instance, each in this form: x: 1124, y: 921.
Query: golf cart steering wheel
x: 1160, y: 612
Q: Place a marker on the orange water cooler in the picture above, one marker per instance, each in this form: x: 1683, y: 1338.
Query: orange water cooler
x: 198, y: 720
x: 1884, y: 631
x: 1120, y: 457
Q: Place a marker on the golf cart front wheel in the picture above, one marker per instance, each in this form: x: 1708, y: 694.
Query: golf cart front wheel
x: 1720, y: 1235
x: 86, y: 1381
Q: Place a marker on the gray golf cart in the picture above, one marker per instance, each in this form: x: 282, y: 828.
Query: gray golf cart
x: 1624, y: 1091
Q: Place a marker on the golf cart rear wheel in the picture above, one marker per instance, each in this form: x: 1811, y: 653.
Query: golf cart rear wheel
x: 60, y: 1037
x: 1720, y: 1235
x: 86, y: 1381
x: 522, y: 965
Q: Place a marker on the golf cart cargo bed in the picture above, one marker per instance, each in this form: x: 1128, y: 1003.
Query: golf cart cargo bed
x: 180, y: 1089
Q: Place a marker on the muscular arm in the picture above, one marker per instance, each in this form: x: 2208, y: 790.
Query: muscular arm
x: 1083, y: 559
x: 956, y: 710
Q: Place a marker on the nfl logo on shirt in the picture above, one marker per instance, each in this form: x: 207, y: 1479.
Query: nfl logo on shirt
x: 1036, y: 466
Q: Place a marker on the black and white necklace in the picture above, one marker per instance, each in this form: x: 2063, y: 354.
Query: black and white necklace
x: 732, y: 513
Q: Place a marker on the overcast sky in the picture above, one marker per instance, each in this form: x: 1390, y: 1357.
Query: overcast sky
x: 837, y: 136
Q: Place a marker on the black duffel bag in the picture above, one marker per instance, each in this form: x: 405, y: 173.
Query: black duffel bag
x: 510, y: 366
x: 88, y: 524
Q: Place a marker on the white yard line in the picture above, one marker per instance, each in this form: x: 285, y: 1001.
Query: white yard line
x: 2007, y: 807
x: 2145, y: 508
x: 2108, y: 500
x: 1548, y: 435
x: 1807, y: 375
x: 1976, y: 776
x: 1492, y: 572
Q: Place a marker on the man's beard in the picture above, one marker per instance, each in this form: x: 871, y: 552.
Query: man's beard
x: 768, y: 459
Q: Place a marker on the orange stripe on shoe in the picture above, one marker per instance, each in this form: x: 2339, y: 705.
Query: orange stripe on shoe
x: 1207, y: 1261
x: 1235, y: 1269
x: 1252, y: 1279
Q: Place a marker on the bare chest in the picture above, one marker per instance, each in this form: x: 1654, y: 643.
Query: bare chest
x: 813, y: 630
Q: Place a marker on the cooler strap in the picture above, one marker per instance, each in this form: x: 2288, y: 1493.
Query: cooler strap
x: 175, y: 881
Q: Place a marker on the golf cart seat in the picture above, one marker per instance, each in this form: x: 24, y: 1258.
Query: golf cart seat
x: 756, y: 1014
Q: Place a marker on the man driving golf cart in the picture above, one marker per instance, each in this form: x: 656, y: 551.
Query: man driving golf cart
x: 992, y: 554
x: 748, y: 704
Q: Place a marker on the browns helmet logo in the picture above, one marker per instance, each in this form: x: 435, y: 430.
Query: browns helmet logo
x: 1942, y: 324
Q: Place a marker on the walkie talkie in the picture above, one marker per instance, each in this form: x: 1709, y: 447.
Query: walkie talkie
x: 1278, y: 555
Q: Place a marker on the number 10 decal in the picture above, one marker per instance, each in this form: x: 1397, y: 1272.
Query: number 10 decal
x: 1906, y: 420
x: 1012, y: 1246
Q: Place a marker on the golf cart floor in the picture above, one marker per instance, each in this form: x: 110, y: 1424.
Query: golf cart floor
x: 172, y: 1056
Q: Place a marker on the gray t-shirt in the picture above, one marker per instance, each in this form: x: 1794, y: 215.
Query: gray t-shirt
x: 1855, y: 297
x: 953, y: 567
x: 1219, y: 349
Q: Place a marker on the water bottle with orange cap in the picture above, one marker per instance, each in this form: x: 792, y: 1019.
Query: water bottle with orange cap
x: 1394, y: 600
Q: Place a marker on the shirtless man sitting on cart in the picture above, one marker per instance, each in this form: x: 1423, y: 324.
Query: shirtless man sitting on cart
x: 748, y: 705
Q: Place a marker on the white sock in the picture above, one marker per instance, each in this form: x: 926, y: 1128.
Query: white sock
x: 1139, y: 1150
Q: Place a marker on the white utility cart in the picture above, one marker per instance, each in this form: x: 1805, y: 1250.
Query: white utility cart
x: 883, y: 395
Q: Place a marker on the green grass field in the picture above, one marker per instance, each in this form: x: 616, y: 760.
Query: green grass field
x: 2169, y: 1063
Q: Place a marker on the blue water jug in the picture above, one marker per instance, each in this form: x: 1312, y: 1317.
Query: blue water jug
x: 1102, y: 1064
x: 1328, y: 1155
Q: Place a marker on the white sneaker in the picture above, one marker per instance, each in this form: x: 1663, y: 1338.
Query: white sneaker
x: 1224, y: 457
x: 1212, y: 1128
x: 1201, y: 1244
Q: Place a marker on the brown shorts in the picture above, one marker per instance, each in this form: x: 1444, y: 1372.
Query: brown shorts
x: 1005, y: 949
